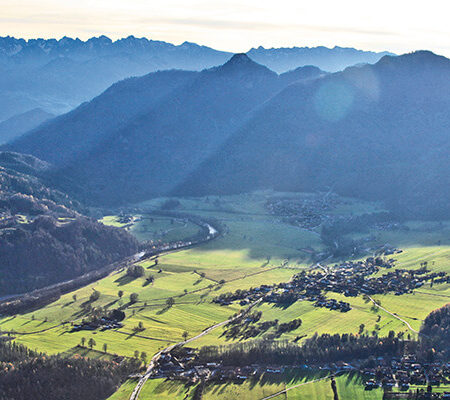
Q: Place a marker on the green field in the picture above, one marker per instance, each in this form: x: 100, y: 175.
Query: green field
x: 250, y: 253
x: 152, y: 227
x: 300, y: 385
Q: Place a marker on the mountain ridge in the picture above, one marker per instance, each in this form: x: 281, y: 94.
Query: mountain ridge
x: 242, y: 127
x: 58, y: 75
x: 329, y: 125
x: 17, y: 125
x: 189, y: 120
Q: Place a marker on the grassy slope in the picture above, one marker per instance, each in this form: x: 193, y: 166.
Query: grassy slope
x: 349, y: 387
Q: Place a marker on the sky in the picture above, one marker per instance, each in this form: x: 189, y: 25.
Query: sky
x: 395, y: 25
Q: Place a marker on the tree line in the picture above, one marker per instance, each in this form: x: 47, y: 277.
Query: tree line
x: 25, y: 375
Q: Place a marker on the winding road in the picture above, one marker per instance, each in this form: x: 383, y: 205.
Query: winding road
x: 395, y: 316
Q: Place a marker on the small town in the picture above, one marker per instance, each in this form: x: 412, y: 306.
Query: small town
x: 347, y: 278
x: 308, y: 213
x: 381, y: 372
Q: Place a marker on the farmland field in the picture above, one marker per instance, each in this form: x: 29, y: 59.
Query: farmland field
x: 256, y: 248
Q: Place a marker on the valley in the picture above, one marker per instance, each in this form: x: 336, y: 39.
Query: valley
x: 174, y: 293
x: 178, y: 222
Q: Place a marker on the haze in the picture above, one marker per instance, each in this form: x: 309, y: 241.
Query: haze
x: 399, y: 26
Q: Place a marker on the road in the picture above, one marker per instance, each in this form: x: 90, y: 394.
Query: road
x: 294, y: 387
x: 151, y: 365
x: 394, y: 315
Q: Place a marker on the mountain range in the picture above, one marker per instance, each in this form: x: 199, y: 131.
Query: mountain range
x: 373, y: 131
x: 380, y: 132
x: 147, y: 133
x: 58, y: 75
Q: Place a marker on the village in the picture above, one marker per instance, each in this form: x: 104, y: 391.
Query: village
x: 393, y: 374
x: 404, y: 372
x: 307, y: 213
x: 349, y: 278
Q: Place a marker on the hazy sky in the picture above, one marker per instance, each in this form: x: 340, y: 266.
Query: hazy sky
x: 396, y: 25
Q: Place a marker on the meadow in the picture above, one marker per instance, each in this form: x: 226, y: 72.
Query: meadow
x: 251, y: 252
x: 300, y: 384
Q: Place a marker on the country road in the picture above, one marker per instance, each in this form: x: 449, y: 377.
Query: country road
x: 151, y: 365
x: 294, y: 387
x: 394, y: 315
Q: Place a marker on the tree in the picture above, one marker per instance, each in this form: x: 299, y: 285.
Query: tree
x: 136, y: 354
x: 74, y: 297
x: 105, y: 347
x: 144, y: 357
x: 136, y: 271
x: 134, y: 297
x: 140, y: 326
x: 185, y: 335
x: 170, y: 302
x: 120, y: 293
x: 361, y: 329
x: 334, y: 389
x: 83, y: 341
x: 91, y: 343
x: 95, y: 295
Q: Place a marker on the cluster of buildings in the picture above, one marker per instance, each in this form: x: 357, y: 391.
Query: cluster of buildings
x: 397, y: 375
x: 348, y: 278
x: 307, y: 213
x: 103, y: 324
x: 186, y: 367
x: 357, y: 278
x: 404, y: 372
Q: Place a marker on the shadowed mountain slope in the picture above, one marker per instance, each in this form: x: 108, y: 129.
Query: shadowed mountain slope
x: 60, y: 140
x: 17, y: 125
x: 138, y: 140
x: 378, y: 132
x: 58, y: 75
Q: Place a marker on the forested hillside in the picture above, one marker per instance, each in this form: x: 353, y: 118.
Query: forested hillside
x: 17, y: 125
x: 241, y: 127
x: 25, y: 374
x: 143, y: 136
x: 377, y: 132
x: 43, y: 237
